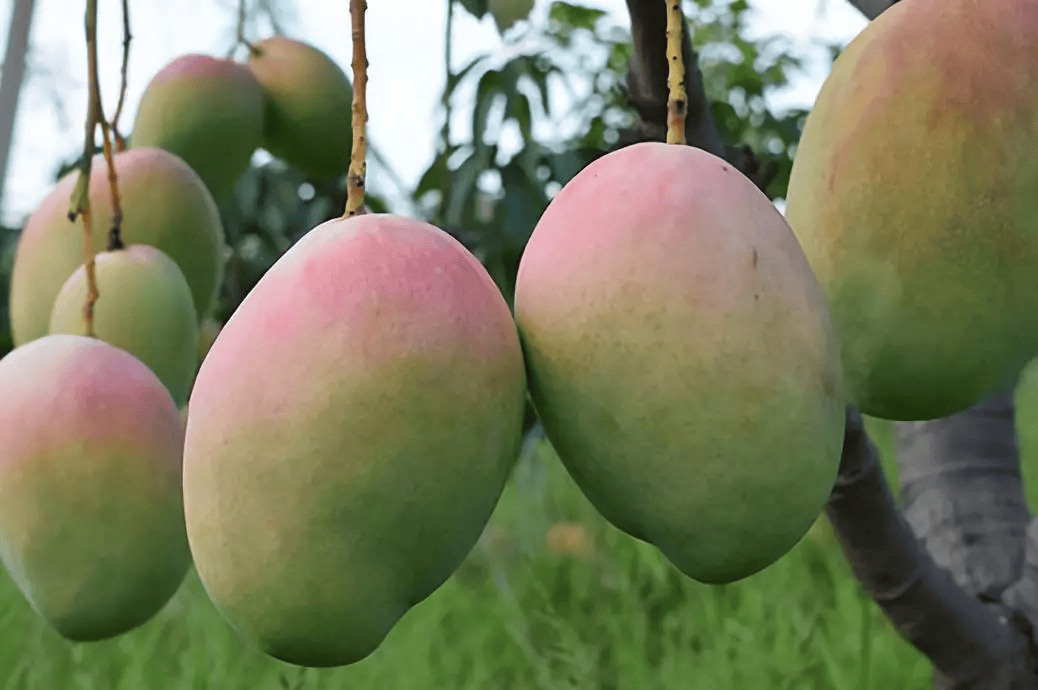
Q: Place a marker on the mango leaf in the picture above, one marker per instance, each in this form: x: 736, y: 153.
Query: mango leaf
x: 575, y: 16
x: 487, y: 92
x: 463, y: 183
x: 522, y: 206
x: 477, y: 8
x: 517, y: 108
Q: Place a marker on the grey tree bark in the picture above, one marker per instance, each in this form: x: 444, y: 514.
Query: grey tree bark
x: 955, y: 567
x: 11, y: 80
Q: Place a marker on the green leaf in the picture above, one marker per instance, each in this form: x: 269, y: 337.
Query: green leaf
x: 463, y: 184
x: 576, y: 16
x: 518, y: 108
x: 487, y: 92
x: 477, y: 8
x: 522, y: 206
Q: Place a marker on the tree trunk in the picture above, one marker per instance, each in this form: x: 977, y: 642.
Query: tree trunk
x: 963, y: 498
x: 11, y: 80
x: 957, y: 573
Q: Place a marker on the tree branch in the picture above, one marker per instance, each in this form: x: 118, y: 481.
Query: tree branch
x: 1021, y: 598
x: 648, y: 92
x: 963, y: 495
x: 973, y: 645
x: 13, y: 73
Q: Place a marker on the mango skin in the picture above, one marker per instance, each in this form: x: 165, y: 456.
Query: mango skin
x: 350, y: 432
x: 914, y: 193
x: 682, y: 359
x: 208, y: 111
x: 164, y: 204
x: 144, y: 307
x: 91, y: 519
x: 308, y: 106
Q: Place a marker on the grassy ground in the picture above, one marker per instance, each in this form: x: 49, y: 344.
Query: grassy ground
x: 551, y: 598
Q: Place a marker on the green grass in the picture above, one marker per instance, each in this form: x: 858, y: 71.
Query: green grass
x: 520, y: 614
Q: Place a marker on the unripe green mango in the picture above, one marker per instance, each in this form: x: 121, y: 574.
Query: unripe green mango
x: 308, y: 106
x: 914, y: 193
x: 350, y: 432
x: 144, y: 307
x: 208, y: 111
x: 91, y: 515
x: 164, y: 204
x: 682, y: 359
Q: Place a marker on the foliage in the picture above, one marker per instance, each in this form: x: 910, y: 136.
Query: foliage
x: 739, y: 74
x: 490, y: 186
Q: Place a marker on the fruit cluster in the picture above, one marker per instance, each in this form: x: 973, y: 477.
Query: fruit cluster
x: 92, y: 524
x: 689, y: 352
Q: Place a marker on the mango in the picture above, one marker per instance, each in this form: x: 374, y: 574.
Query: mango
x: 681, y: 357
x: 91, y: 518
x: 914, y: 193
x: 164, y: 204
x: 350, y: 432
x: 144, y: 307
x: 308, y: 106
x: 208, y: 111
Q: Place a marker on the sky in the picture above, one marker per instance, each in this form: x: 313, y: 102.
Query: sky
x: 405, y: 51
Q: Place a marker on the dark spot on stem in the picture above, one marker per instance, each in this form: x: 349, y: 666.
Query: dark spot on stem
x: 115, y: 239
x: 754, y: 262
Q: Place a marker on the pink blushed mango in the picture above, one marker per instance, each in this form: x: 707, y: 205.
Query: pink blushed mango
x: 91, y: 517
x: 208, y: 111
x: 164, y: 205
x: 681, y: 357
x: 914, y: 194
x: 350, y: 431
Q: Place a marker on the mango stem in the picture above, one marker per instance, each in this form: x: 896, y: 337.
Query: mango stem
x: 79, y: 204
x: 115, y: 240
x: 253, y: 50
x: 120, y: 142
x: 677, y: 105
x: 358, y: 163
